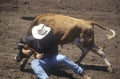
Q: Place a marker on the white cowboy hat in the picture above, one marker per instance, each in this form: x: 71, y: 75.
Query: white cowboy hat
x: 40, y: 31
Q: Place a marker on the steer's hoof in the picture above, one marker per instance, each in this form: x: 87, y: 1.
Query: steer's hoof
x: 110, y: 69
x: 77, y: 62
x: 86, y: 76
x: 21, y: 68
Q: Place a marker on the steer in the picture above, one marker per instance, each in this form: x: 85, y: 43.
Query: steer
x: 68, y: 29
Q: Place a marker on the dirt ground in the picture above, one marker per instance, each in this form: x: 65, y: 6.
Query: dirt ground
x: 13, y: 27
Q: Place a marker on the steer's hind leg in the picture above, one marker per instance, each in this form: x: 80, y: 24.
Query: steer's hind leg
x: 99, y: 51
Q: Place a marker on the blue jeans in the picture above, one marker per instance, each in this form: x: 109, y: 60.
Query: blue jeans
x: 44, y: 66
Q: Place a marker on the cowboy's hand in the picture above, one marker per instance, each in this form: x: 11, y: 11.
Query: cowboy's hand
x: 26, y: 52
x: 39, y: 56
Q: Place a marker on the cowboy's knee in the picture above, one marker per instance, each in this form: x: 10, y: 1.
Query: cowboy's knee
x: 35, y: 63
x: 61, y: 58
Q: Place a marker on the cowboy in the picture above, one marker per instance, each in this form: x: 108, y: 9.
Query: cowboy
x: 45, y: 47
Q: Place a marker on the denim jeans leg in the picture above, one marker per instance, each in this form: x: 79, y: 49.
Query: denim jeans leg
x: 37, y: 66
x: 62, y: 59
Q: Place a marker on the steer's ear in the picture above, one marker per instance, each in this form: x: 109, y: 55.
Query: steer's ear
x: 21, y: 40
x: 18, y: 44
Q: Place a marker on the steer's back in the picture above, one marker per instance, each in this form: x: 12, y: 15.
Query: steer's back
x: 57, y: 22
x: 60, y: 25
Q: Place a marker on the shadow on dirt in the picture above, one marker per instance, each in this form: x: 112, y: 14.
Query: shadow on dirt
x: 94, y: 67
x: 28, y: 18
x: 61, y: 73
x: 56, y: 73
x: 64, y: 74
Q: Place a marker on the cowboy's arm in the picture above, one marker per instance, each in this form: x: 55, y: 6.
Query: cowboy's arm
x: 29, y: 51
x: 37, y: 54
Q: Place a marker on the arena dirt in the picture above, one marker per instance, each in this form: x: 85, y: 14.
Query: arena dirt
x: 16, y: 16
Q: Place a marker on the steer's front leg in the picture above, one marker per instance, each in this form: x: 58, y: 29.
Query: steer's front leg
x: 23, y: 63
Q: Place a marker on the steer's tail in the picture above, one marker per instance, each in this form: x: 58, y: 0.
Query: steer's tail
x: 111, y: 30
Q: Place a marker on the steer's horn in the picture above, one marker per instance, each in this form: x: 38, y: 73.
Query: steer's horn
x: 21, y: 44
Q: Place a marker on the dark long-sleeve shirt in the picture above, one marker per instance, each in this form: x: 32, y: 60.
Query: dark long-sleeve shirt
x: 47, y: 45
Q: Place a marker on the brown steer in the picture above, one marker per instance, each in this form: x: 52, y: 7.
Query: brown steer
x: 68, y: 29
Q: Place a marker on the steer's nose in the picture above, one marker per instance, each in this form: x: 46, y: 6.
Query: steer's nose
x: 17, y: 59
